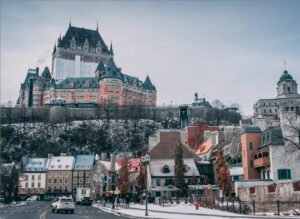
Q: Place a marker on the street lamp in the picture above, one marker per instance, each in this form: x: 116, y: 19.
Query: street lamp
x: 145, y: 160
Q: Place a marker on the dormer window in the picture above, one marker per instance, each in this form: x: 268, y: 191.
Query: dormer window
x: 81, y: 166
x: 166, y: 169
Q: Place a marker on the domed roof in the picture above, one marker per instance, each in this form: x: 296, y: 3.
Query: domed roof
x: 251, y: 129
x: 285, y: 76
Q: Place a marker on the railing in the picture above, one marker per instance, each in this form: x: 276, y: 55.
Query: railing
x: 262, y: 161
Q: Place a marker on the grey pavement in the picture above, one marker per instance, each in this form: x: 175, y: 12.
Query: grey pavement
x: 42, y: 210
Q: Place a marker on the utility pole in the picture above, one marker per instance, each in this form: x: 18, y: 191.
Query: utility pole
x: 145, y: 160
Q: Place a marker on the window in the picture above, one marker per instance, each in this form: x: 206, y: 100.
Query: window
x: 39, y: 177
x: 157, y: 182
x: 251, y: 146
x: 39, y: 185
x: 49, y: 181
x: 75, y: 181
x: 284, y: 174
x: 296, y: 186
x: 76, y: 165
x: 59, y: 166
x: 252, y: 190
x: 270, y: 110
x: 67, y: 166
x: 166, y: 169
x: 81, y: 174
x: 32, y: 177
x: 235, y: 178
x: 26, y: 178
x: 60, y: 181
x: 87, y: 180
x: 52, y: 166
x: 61, y: 174
x: 251, y: 163
x: 255, y: 156
x: 75, y: 174
x: 66, y: 181
x: 55, y: 181
x: 81, y: 181
x: 32, y: 185
x: 271, y: 188
x: 26, y: 185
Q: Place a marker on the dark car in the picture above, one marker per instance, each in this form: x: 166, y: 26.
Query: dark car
x: 86, y: 201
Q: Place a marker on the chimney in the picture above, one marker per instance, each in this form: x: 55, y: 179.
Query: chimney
x: 24, y: 160
x: 112, y: 162
x: 50, y: 155
x: 207, y: 135
x: 63, y: 154
x: 37, y: 71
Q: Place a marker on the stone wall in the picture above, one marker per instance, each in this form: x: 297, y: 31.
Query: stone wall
x: 283, y: 191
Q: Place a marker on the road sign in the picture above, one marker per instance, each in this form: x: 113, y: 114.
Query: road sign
x: 146, y: 158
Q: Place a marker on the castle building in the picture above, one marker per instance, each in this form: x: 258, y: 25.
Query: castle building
x: 266, y: 111
x: 84, y: 75
x: 78, y: 53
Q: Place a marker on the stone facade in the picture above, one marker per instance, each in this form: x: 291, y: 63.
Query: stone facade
x: 268, y: 191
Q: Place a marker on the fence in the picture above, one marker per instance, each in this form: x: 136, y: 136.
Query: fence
x: 249, y: 207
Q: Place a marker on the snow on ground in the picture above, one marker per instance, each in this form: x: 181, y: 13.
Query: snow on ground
x: 175, y: 211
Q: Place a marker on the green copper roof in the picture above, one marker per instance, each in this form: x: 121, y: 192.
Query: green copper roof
x: 78, y: 83
x: 148, y: 84
x: 46, y: 73
x: 285, y: 76
x: 111, y: 70
x: 100, y: 66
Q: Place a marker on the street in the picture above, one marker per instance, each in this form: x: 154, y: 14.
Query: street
x: 41, y: 210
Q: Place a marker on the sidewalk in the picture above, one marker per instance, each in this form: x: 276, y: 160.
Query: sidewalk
x: 176, y: 211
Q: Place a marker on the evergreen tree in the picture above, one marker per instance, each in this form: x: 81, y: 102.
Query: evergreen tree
x: 124, y: 176
x: 141, y: 179
x: 179, y: 167
x: 222, y: 174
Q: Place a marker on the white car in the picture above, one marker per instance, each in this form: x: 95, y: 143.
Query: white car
x: 33, y: 198
x: 63, y: 204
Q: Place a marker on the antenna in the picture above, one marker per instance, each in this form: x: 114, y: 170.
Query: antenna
x: 70, y: 21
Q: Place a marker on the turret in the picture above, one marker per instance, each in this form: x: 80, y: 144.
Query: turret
x: 286, y: 86
x: 111, y: 49
x: 46, y: 74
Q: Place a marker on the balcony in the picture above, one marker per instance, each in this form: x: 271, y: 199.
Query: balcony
x: 261, y: 162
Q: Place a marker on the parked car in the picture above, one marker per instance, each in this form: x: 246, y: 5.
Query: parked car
x: 33, y: 198
x: 86, y: 201
x: 63, y: 204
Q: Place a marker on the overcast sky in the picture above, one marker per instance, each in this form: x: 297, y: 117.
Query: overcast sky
x: 227, y: 50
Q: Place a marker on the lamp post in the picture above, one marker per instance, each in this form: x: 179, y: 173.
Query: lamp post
x: 145, y: 160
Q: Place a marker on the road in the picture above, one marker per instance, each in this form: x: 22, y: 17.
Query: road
x: 41, y: 210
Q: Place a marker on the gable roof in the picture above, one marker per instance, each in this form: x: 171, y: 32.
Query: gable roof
x: 79, y: 83
x: 165, y: 149
x: 106, y: 165
x: 84, y: 162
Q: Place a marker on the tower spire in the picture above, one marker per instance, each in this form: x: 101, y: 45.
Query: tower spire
x: 70, y: 21
x: 97, y: 25
x: 111, y: 49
